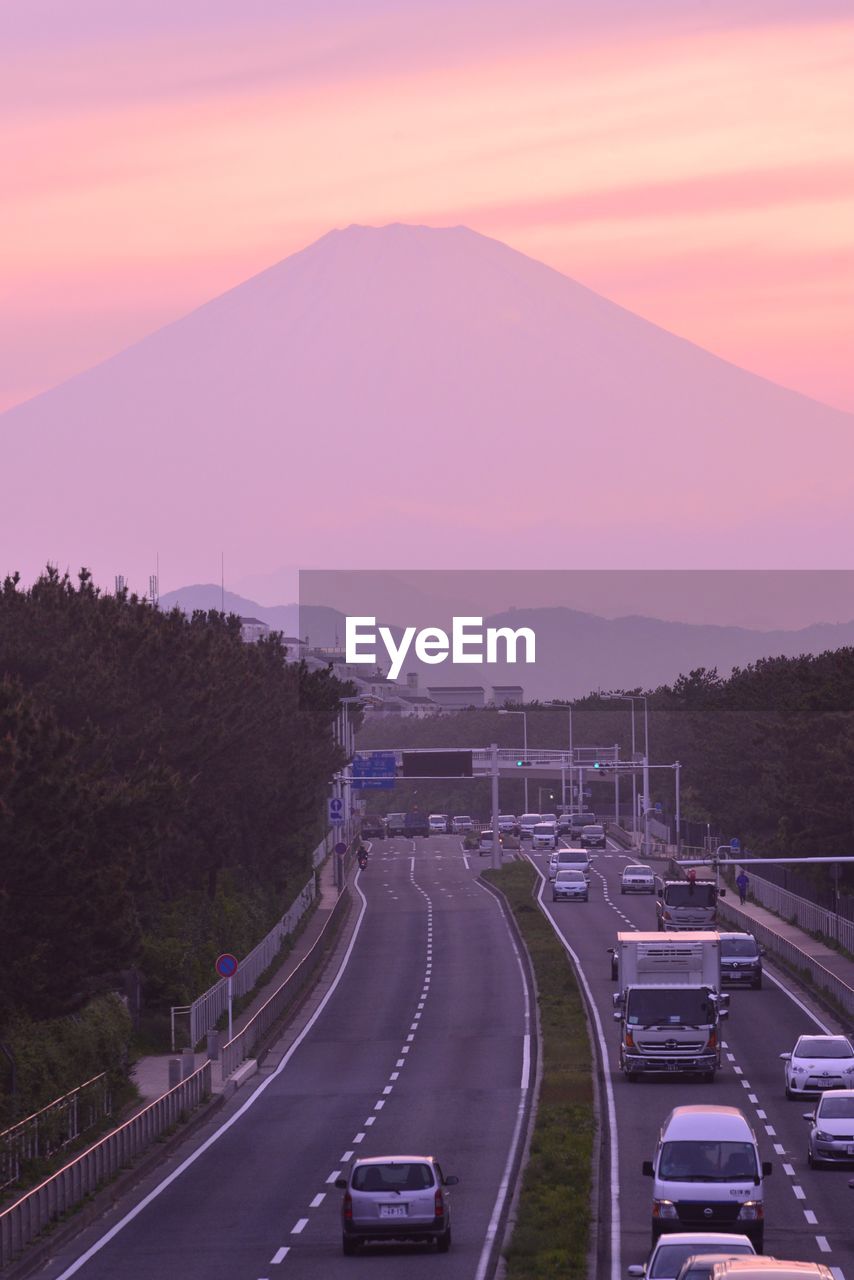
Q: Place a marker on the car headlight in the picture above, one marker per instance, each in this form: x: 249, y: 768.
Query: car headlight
x: 821, y: 1136
x: 799, y: 1071
x: 664, y: 1209
x: 750, y: 1211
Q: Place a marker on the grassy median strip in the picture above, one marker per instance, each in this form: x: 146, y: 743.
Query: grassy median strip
x: 551, y: 1235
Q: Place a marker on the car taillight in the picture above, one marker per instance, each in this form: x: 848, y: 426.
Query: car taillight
x: 439, y: 1204
x: 666, y: 915
x: 348, y: 1205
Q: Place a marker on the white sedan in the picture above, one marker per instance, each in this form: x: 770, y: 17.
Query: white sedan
x: 637, y: 878
x: 817, y: 1063
x: 831, y: 1129
x: 670, y: 1251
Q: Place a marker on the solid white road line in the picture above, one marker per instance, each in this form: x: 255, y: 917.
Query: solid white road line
x: 609, y: 1091
x: 505, y: 1189
x: 818, y: 1022
x: 232, y: 1120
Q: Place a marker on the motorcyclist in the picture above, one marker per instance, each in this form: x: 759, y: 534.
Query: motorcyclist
x: 362, y: 856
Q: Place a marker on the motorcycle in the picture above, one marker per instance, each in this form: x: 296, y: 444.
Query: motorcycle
x: 363, y: 860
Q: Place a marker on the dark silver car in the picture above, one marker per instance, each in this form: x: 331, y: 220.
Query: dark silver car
x: 396, y: 1198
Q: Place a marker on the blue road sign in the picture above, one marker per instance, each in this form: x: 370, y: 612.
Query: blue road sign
x: 336, y: 811
x: 735, y: 844
x: 226, y: 965
x: 374, y: 770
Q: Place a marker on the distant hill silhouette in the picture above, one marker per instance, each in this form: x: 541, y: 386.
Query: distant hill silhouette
x: 576, y: 652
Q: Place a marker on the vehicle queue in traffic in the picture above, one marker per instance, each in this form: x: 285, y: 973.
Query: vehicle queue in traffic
x: 707, y: 1213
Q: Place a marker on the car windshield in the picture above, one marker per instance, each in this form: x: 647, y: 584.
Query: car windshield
x: 530, y: 818
x: 836, y: 1108
x: 571, y: 876
x: 690, y: 894
x: 593, y: 830
x: 637, y: 871
x: 385, y: 1178
x: 817, y: 1047
x: 738, y: 947
x: 669, y: 1257
x: 462, y: 817
x: 544, y: 829
x: 664, y: 1007
x: 708, y: 1161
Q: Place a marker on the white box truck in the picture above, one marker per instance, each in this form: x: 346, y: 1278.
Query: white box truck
x: 669, y: 1005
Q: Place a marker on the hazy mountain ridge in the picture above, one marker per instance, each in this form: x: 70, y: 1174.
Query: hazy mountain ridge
x: 576, y: 652
x: 363, y: 398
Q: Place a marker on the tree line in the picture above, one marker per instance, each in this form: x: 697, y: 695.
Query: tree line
x: 161, y: 790
x: 765, y: 753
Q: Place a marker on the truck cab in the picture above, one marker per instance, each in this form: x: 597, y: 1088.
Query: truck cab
x: 686, y: 904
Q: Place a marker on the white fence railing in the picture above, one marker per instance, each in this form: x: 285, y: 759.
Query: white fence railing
x: 208, y: 1008
x: 799, y: 911
x: 24, y: 1220
x: 61, y: 1122
x: 240, y: 1047
x: 820, y: 977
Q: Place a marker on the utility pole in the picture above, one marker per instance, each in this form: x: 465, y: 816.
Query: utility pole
x: 496, y: 847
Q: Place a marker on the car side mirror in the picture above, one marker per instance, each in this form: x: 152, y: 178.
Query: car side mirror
x: 617, y: 1015
x: 723, y: 1012
x: 647, y: 1169
x: 809, y: 1115
x: 767, y: 1168
x: 786, y: 1057
x: 451, y: 1180
x: 341, y: 1184
x: 637, y: 1270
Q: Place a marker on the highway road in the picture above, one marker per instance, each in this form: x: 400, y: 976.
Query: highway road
x: 423, y: 1046
x: 808, y: 1213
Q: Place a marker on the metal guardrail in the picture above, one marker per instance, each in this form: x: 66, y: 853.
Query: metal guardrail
x: 23, y: 1221
x: 240, y: 1046
x: 53, y: 1127
x: 207, y: 1009
x: 783, y: 949
x: 799, y: 911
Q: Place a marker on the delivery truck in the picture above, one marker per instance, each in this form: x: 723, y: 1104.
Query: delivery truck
x: 669, y: 1003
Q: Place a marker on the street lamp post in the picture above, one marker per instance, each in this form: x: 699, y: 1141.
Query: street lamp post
x: 503, y: 711
x: 571, y: 763
x: 633, y: 698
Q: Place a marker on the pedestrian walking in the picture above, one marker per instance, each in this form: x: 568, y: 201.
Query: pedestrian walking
x: 742, y: 884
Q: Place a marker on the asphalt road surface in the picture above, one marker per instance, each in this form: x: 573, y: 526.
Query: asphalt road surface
x: 808, y: 1213
x: 423, y: 1046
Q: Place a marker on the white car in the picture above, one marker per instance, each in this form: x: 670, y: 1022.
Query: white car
x: 553, y: 860
x: 570, y: 885
x: 527, y: 822
x: 637, y: 878
x: 831, y: 1129
x: 438, y: 823
x: 485, y: 841
x: 461, y: 822
x: 544, y: 836
x: 817, y: 1063
x: 670, y: 1251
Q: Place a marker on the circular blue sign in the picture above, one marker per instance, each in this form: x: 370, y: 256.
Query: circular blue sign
x: 226, y: 965
x: 340, y: 848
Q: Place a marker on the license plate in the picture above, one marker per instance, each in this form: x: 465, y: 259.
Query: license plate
x: 673, y: 1066
x: 392, y: 1210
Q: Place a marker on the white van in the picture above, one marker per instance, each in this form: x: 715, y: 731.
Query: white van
x: 544, y: 836
x: 707, y: 1174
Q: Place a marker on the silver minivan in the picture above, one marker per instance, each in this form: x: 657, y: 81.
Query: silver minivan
x: 396, y: 1198
x: 707, y: 1174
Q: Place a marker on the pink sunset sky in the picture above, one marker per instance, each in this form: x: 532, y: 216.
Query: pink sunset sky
x: 691, y: 161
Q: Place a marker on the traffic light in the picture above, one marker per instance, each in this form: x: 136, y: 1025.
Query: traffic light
x: 596, y: 765
x: 523, y: 764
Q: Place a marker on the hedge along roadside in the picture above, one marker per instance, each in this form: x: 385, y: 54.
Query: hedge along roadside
x: 551, y: 1232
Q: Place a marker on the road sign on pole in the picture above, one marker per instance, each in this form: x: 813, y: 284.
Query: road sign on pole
x: 226, y: 967
x: 735, y: 844
x: 336, y: 811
